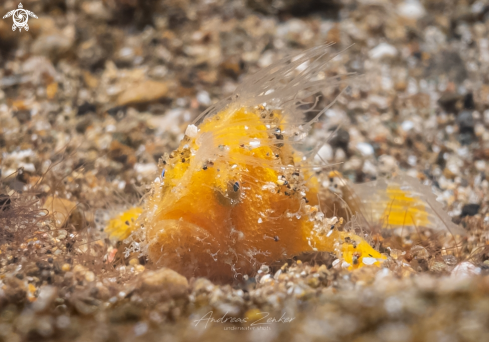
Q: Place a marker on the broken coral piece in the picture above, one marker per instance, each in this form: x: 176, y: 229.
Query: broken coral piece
x: 60, y: 208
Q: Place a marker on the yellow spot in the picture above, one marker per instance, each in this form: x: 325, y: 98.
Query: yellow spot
x: 354, y: 251
x: 51, y: 90
x: 123, y: 225
x: 139, y: 268
x: 333, y: 174
x: 253, y: 315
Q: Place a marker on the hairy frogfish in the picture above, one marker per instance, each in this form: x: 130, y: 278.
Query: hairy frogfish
x: 239, y: 192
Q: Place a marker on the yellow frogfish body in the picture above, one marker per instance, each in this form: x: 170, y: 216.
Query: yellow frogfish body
x: 237, y: 193
x: 235, y: 196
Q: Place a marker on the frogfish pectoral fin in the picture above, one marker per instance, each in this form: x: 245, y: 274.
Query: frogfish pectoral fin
x: 351, y: 248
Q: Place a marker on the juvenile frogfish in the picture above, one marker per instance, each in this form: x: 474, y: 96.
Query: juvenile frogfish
x: 238, y: 193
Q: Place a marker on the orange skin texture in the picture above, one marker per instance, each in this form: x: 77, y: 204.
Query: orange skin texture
x: 219, y: 221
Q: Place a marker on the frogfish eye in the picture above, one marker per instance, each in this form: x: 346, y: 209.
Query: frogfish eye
x: 231, y: 196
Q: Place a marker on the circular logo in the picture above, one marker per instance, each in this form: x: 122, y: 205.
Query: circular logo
x: 20, y: 17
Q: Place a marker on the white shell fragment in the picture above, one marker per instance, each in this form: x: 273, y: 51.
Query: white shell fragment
x: 383, y: 50
x: 411, y: 9
x: 465, y: 270
x: 369, y: 261
x: 191, y: 131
